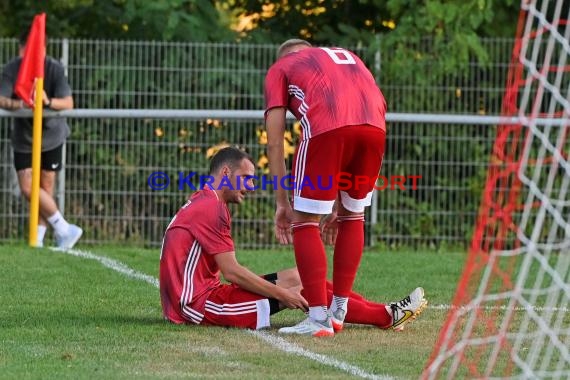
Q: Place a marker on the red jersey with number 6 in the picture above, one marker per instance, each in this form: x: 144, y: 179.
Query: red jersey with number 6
x: 326, y: 89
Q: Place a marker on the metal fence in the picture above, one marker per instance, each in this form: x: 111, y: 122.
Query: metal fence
x: 110, y: 159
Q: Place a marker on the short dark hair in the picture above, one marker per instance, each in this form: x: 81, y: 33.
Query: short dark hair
x: 230, y: 156
x: 24, y: 38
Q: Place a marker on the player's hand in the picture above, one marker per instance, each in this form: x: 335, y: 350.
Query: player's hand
x: 329, y: 228
x: 294, y: 300
x: 283, y: 217
x: 45, y: 98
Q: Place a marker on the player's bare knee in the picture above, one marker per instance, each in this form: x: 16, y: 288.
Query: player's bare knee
x: 343, y: 211
x: 25, y: 190
x: 302, y: 217
x: 288, y: 278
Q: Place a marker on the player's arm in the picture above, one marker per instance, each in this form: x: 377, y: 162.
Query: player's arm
x: 239, y: 275
x: 58, y: 104
x: 61, y: 99
x: 275, y: 125
x: 10, y: 104
x: 6, y: 101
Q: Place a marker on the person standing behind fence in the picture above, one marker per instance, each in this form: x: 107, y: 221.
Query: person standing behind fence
x: 342, y: 115
x: 56, y: 96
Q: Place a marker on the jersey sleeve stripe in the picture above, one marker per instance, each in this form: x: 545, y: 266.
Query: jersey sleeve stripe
x: 189, y: 269
x: 303, y: 109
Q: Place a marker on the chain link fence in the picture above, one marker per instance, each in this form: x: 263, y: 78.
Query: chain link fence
x: 109, y: 159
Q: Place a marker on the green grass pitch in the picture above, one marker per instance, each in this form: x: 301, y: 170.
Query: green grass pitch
x: 70, y: 317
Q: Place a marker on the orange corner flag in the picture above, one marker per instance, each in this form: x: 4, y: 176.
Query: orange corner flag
x: 32, y: 66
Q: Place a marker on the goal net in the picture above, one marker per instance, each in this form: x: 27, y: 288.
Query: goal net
x: 511, y: 313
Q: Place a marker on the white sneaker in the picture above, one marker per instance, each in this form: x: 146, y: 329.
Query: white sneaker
x: 68, y: 240
x: 407, y: 309
x: 310, y: 327
x: 337, y: 319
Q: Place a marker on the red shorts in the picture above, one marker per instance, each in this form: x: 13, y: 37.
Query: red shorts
x: 231, y: 306
x: 344, y: 162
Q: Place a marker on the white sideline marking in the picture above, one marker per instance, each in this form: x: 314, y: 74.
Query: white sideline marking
x: 112, y: 264
x: 283, y: 345
x: 503, y: 307
x: 275, y: 341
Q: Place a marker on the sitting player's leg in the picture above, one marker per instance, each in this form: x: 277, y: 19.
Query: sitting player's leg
x: 360, y: 311
x: 232, y: 306
x: 407, y: 309
x: 287, y: 278
x: 392, y: 315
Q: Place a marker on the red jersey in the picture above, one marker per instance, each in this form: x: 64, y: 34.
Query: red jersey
x: 325, y: 88
x: 188, y: 270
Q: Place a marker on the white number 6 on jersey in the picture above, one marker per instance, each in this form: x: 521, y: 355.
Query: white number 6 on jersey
x: 340, y: 56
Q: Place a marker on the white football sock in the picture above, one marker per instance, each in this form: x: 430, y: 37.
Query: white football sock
x: 41, y: 232
x: 59, y: 224
x: 339, y: 303
x: 318, y: 313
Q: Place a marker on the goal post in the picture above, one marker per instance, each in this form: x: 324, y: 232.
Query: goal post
x: 510, y: 316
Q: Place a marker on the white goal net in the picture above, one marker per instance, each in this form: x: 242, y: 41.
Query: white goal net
x: 511, y: 313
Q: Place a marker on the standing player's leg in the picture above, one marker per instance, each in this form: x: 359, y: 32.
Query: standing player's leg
x: 47, y: 184
x: 361, y: 162
x: 25, y: 183
x: 312, y: 199
x: 66, y: 234
x: 348, y: 250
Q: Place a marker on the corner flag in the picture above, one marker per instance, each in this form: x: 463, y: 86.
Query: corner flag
x: 30, y: 87
x: 32, y: 66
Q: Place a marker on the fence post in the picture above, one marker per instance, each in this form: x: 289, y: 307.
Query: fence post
x: 61, y: 175
x: 374, y: 205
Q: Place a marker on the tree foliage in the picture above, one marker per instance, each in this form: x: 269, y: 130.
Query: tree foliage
x: 327, y: 22
x: 165, y: 20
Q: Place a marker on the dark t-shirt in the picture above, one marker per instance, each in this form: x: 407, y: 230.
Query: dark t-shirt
x: 54, y: 129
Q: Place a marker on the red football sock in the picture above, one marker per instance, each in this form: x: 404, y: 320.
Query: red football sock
x: 368, y: 313
x: 364, y: 312
x: 347, y: 253
x: 311, y: 261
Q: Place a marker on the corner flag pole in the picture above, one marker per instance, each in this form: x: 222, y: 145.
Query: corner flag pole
x: 30, y: 88
x: 36, y: 163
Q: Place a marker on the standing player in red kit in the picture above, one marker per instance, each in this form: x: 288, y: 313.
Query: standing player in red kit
x: 198, y: 247
x: 342, y: 115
